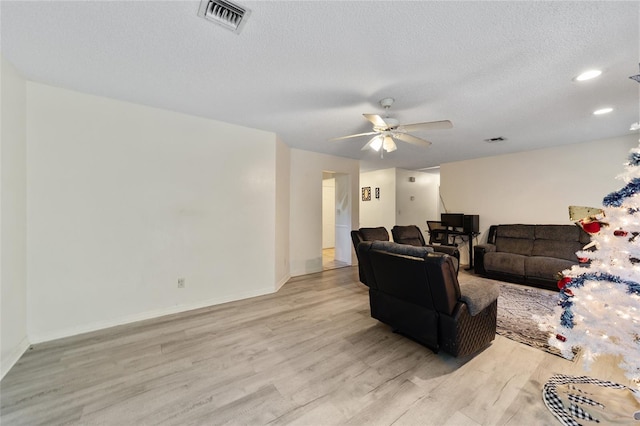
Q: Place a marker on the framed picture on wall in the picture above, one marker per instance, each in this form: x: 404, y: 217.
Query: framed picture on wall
x: 366, y: 193
x: 377, y: 192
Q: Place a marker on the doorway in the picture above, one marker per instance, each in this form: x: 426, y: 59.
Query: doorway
x: 333, y: 218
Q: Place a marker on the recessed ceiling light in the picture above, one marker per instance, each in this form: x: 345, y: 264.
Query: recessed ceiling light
x: 588, y: 75
x: 602, y: 111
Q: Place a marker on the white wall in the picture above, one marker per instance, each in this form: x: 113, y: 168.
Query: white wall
x: 382, y: 211
x: 344, y: 219
x: 283, y: 175
x: 328, y: 212
x: 124, y: 199
x: 395, y: 205
x: 423, y: 206
x: 13, y: 226
x: 306, y: 207
x: 535, y: 186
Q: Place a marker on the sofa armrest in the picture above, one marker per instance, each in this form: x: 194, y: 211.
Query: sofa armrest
x: 478, y: 295
x: 478, y: 256
x: 485, y: 248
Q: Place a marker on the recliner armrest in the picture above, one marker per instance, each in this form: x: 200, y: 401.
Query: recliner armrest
x: 450, y: 250
x: 478, y: 295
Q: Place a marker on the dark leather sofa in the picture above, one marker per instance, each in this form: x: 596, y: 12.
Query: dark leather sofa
x: 416, y: 291
x: 529, y: 254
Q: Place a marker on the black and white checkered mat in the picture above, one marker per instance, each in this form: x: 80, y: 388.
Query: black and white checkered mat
x: 575, y: 415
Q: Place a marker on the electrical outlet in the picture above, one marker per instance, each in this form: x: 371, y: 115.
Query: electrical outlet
x: 181, y: 282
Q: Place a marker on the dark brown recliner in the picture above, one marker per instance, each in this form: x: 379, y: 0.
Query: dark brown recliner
x: 412, y: 235
x: 367, y: 234
x: 416, y: 292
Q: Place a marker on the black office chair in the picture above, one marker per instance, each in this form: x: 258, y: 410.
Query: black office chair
x: 438, y: 233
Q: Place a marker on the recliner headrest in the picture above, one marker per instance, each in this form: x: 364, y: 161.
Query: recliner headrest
x: 402, y: 249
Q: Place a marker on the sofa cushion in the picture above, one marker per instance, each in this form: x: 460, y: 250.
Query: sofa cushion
x: 506, y: 263
x: 403, y: 249
x: 514, y: 245
x: 517, y: 239
x: 545, y: 267
x: 516, y: 231
x: 375, y: 234
x: 565, y: 250
x: 557, y: 232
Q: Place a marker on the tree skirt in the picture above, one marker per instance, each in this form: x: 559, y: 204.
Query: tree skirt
x: 584, y: 400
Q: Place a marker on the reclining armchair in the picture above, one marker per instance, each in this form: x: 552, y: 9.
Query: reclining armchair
x: 367, y: 234
x: 416, y: 291
x: 412, y: 235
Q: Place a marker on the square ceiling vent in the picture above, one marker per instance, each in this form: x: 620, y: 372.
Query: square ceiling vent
x: 224, y: 13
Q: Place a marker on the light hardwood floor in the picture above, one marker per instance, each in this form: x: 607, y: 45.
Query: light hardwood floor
x: 309, y: 355
x: 329, y: 260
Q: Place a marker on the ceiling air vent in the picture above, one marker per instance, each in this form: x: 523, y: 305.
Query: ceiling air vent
x: 224, y: 13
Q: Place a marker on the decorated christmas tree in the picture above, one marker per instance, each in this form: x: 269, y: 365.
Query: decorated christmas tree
x: 599, y: 306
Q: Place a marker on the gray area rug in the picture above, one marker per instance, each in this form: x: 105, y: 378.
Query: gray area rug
x: 519, y: 307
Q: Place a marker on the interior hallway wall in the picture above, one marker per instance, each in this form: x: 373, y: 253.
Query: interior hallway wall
x: 306, y: 207
x: 13, y: 216
x: 417, y: 201
x: 282, y: 200
x: 379, y: 211
x: 401, y: 202
x: 328, y: 212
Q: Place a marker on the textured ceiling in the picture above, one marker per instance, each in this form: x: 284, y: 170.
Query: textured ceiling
x: 308, y: 70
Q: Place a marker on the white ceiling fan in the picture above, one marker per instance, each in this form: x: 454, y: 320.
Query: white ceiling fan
x: 386, y: 129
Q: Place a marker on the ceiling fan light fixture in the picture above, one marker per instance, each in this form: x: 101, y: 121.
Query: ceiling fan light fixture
x: 389, y: 145
x: 376, y: 143
x: 388, y: 130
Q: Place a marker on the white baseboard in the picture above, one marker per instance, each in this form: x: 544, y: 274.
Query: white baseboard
x: 282, y: 282
x: 86, y: 328
x: 13, y: 357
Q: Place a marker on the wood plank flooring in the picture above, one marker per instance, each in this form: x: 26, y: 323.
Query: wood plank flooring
x: 329, y: 260
x: 307, y: 355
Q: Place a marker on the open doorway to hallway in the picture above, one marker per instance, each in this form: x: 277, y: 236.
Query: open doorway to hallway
x: 331, y: 221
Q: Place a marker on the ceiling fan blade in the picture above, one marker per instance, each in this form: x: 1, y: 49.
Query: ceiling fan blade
x: 376, y: 120
x: 429, y: 125
x: 411, y: 139
x: 353, y: 136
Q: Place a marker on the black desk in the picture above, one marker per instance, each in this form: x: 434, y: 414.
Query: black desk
x: 471, y: 236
